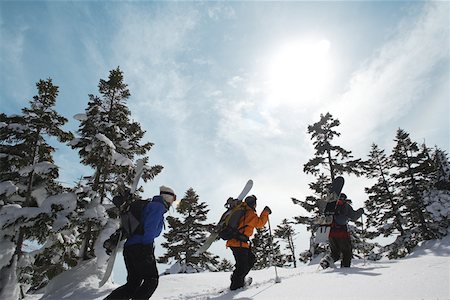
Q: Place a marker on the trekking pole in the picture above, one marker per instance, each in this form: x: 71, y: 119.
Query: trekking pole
x: 277, y: 279
x: 364, y: 240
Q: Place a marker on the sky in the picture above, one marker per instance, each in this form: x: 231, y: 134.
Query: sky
x: 226, y: 90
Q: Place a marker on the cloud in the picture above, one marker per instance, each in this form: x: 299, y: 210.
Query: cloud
x: 397, y: 77
x: 221, y: 11
x: 12, y: 47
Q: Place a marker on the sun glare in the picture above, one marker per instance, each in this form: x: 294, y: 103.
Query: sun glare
x: 299, y: 72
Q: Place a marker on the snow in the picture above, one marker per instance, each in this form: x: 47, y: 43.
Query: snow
x: 104, y: 139
x: 80, y: 117
x: 8, y: 188
x: 425, y: 274
x: 43, y: 167
x: 11, y: 212
x: 120, y: 160
x: 10, y: 288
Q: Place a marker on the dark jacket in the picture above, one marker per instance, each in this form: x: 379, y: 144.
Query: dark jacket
x: 153, y: 222
x: 343, y: 213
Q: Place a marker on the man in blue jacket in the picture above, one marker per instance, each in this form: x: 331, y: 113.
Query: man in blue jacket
x: 139, y: 250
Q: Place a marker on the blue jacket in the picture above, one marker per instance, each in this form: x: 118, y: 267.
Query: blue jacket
x: 153, y: 221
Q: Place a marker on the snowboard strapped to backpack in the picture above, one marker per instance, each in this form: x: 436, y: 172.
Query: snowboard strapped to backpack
x: 332, y: 210
x: 228, y: 226
x: 329, y: 207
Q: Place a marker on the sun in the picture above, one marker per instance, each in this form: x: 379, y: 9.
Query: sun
x: 299, y: 72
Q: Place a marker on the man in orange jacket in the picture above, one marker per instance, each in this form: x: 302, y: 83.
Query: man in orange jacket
x: 244, y: 257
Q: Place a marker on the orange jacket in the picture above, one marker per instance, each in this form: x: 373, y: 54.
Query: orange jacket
x: 248, y: 223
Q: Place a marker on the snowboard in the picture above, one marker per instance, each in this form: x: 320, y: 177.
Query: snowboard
x: 323, y: 221
x: 139, y: 169
x: 213, y: 236
x: 327, y: 262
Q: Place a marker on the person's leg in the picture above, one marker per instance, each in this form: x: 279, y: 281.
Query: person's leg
x: 335, y: 248
x: 346, y: 246
x: 241, y: 267
x: 150, y: 283
x: 134, y: 280
x: 251, y: 259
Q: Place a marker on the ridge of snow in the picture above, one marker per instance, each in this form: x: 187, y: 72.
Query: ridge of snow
x: 425, y: 274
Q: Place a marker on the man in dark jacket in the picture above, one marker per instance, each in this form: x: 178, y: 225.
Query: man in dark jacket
x: 339, y: 237
x: 139, y: 255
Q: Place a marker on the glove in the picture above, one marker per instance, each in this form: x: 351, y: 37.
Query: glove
x: 268, y: 209
x: 148, y: 253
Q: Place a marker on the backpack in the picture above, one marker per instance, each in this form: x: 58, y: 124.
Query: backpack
x: 227, y: 228
x: 130, y: 213
x: 333, y: 210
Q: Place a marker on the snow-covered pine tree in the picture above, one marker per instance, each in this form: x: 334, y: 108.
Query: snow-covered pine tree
x: 412, y: 176
x: 108, y: 141
x: 437, y: 198
x: 329, y: 161
x: 33, y: 206
x: 385, y: 209
x: 262, y: 249
x: 286, y: 232
x: 187, y: 234
x: 225, y: 266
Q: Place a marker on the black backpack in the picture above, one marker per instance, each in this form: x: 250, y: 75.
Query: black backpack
x: 130, y: 212
x: 334, y: 212
x: 228, y: 226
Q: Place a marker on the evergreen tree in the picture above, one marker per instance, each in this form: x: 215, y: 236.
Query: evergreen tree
x: 261, y: 247
x: 28, y: 180
x: 187, y: 234
x: 412, y: 176
x: 437, y: 199
x: 329, y: 161
x: 225, y: 266
x: 286, y: 232
x: 384, y: 208
x: 109, y: 142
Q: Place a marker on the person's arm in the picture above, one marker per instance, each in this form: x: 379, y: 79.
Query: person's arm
x: 259, y: 222
x: 353, y: 214
x: 153, y: 221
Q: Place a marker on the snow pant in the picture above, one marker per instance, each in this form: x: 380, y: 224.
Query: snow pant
x: 245, y: 259
x: 341, y: 246
x: 142, y: 278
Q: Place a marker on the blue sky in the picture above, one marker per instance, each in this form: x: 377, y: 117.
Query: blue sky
x: 226, y: 90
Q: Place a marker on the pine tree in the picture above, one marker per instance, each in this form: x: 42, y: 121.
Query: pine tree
x: 187, y: 234
x: 329, y: 161
x: 286, y: 232
x: 225, y: 266
x: 30, y: 176
x: 437, y: 199
x: 412, y: 176
x: 384, y: 208
x: 109, y: 142
x: 261, y: 247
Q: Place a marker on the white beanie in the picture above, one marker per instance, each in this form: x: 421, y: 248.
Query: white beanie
x: 167, y: 193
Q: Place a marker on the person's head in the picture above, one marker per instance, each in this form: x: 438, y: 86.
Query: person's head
x: 168, y: 195
x: 342, y: 196
x: 251, y: 201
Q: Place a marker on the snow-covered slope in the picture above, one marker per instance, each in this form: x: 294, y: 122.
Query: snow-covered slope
x: 425, y: 274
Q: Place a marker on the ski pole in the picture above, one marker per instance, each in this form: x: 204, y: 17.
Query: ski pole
x: 277, y: 279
